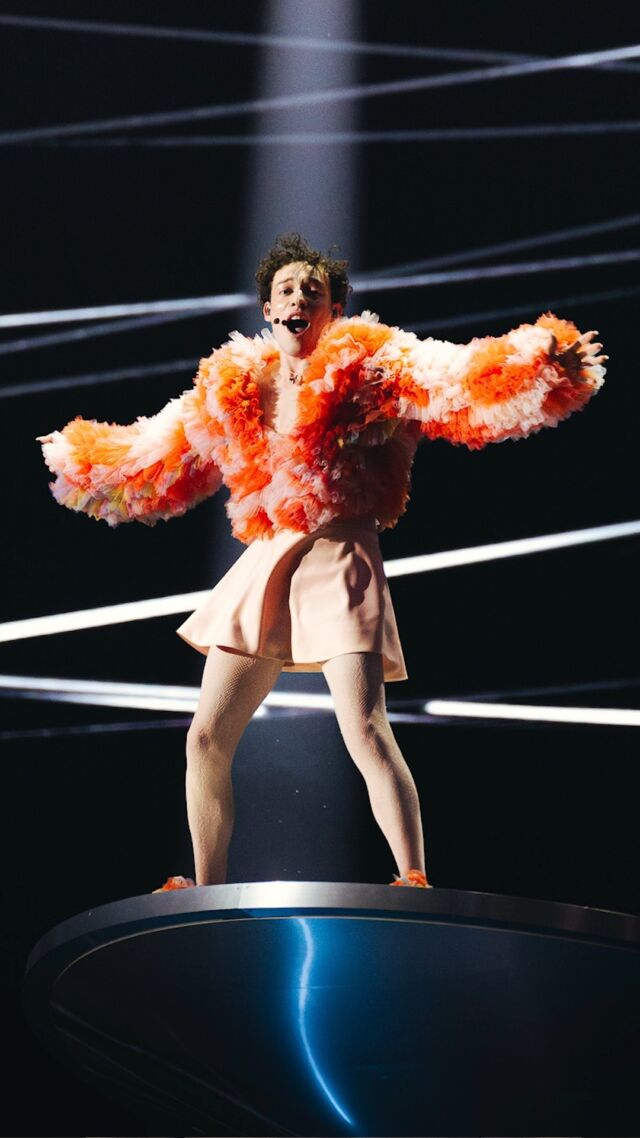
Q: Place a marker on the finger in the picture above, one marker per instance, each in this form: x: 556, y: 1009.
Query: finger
x: 593, y: 362
x: 583, y: 342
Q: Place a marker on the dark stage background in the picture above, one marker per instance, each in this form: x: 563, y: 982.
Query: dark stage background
x: 538, y: 811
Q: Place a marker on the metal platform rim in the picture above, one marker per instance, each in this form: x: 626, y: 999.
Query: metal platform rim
x: 263, y: 899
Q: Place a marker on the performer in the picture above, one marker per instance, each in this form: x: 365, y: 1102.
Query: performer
x: 313, y: 428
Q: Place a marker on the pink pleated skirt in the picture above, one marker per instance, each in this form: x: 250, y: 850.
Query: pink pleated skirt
x: 303, y: 599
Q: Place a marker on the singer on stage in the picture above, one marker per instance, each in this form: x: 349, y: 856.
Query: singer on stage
x: 312, y: 427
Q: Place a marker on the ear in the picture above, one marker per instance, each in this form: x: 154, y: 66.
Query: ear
x: 266, y: 310
x: 336, y: 311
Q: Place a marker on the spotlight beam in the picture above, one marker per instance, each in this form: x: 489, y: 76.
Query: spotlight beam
x: 189, y: 306
x: 96, y: 378
x: 350, y: 138
x: 428, y: 562
x: 490, y: 272
x: 99, y: 617
x: 109, y: 328
x: 71, y: 730
x: 169, y: 698
x: 253, y: 39
x: 472, y: 555
x: 533, y: 713
x: 318, y: 98
x: 372, y: 283
x: 470, y: 318
x: 552, y: 237
x: 552, y: 689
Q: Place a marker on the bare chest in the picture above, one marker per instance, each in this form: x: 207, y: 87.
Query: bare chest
x: 279, y: 402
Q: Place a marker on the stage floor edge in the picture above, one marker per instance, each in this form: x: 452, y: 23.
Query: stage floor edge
x: 322, y: 1008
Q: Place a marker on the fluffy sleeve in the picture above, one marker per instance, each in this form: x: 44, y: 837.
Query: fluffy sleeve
x: 155, y: 468
x: 489, y: 390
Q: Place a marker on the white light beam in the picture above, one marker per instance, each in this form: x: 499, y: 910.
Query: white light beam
x: 95, y: 378
x: 367, y: 137
x: 534, y: 713
x: 550, y: 237
x: 362, y: 284
x: 170, y: 697
x: 223, y: 302
x: 109, y: 328
x: 428, y: 562
x: 173, y: 698
x: 555, y: 303
x: 449, y: 558
x: 490, y: 272
x: 254, y: 39
x: 317, y: 98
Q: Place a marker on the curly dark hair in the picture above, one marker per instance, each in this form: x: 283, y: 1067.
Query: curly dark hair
x: 289, y: 248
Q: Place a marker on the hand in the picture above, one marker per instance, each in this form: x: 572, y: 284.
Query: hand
x: 578, y: 358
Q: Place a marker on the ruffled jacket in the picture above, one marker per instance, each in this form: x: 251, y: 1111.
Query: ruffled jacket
x: 369, y: 394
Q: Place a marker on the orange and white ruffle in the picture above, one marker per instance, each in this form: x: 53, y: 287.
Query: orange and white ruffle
x: 370, y: 392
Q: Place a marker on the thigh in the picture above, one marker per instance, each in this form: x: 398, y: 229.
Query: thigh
x: 233, y: 687
x: 356, y: 682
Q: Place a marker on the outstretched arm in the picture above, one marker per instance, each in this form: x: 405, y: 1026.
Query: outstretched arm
x: 155, y: 468
x: 493, y: 388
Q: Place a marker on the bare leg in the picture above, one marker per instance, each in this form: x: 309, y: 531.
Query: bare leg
x: 233, y: 687
x: 356, y: 683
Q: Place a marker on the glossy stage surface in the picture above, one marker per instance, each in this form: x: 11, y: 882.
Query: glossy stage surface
x: 311, y: 1008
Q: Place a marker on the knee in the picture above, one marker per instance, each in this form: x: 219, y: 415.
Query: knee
x: 201, y: 745
x: 370, y: 734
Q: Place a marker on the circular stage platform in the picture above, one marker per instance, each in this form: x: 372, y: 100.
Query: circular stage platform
x: 312, y: 1008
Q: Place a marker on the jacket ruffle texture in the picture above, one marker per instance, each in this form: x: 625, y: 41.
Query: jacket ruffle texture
x: 369, y: 394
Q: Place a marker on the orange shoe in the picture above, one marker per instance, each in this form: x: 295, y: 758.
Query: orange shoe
x: 412, y: 877
x: 176, y: 883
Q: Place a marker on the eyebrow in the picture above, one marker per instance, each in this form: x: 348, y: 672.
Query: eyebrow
x: 313, y: 280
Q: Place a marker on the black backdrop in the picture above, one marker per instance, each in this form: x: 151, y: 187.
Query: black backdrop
x: 540, y: 811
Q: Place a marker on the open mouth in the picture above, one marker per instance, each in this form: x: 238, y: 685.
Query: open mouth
x: 296, y: 325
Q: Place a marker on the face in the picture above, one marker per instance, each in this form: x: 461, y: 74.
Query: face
x: 300, y: 307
